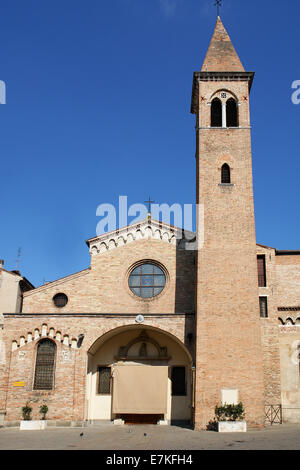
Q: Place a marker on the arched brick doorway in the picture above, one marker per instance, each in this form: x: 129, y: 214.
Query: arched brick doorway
x: 139, y: 373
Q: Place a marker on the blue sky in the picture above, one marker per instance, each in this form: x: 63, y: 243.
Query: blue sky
x: 98, y: 105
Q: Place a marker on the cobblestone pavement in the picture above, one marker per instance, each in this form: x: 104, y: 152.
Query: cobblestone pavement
x: 110, y: 437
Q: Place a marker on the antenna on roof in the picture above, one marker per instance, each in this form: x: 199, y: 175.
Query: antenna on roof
x: 218, y: 4
x: 18, y: 259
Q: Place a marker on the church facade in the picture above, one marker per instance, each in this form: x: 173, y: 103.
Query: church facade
x: 153, y: 331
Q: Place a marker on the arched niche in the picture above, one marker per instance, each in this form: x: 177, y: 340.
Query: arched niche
x: 136, y: 346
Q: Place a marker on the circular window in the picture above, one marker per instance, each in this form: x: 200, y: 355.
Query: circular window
x: 60, y: 300
x: 147, y: 280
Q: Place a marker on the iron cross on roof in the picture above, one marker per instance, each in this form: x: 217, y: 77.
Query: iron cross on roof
x: 149, y: 203
x: 218, y: 4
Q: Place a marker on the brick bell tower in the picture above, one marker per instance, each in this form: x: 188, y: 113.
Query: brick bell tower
x: 228, y: 352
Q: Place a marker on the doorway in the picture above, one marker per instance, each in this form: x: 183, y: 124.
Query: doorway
x: 143, y: 391
x: 141, y: 418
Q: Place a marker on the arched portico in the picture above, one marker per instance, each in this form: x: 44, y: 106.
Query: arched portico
x: 138, y: 372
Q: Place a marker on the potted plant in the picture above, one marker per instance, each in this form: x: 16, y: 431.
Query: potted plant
x: 27, y: 423
x: 44, y: 410
x: 26, y: 412
x: 231, y: 418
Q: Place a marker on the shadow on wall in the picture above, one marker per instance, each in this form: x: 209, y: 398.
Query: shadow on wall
x: 180, y: 378
x: 185, y: 292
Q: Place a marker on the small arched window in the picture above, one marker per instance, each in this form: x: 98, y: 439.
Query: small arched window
x: 44, y: 365
x: 216, y: 113
x: 225, y: 174
x: 231, y: 113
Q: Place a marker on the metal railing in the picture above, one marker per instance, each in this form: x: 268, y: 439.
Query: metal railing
x: 273, y: 414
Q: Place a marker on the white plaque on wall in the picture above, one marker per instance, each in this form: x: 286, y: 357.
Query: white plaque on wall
x: 66, y: 356
x: 21, y: 355
x: 230, y: 396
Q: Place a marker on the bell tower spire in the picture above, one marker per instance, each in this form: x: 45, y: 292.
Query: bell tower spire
x: 228, y: 344
x: 221, y: 54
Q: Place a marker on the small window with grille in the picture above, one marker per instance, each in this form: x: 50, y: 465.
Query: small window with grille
x: 104, y: 380
x: 44, y: 365
x: 261, y: 267
x: 263, y: 305
x: 178, y: 381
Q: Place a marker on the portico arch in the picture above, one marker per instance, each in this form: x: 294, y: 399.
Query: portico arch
x: 150, y: 358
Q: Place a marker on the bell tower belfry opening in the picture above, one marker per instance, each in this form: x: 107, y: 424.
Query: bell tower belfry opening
x: 228, y: 351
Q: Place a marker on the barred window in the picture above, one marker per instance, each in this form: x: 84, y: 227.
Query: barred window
x: 261, y: 267
x: 263, y: 305
x: 178, y: 381
x: 44, y: 365
x: 104, y: 375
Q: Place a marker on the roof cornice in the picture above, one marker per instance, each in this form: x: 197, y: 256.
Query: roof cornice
x: 146, y: 229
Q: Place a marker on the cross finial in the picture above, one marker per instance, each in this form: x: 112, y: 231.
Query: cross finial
x: 149, y: 203
x: 218, y: 4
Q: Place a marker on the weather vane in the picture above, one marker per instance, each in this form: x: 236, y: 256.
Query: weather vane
x: 218, y: 4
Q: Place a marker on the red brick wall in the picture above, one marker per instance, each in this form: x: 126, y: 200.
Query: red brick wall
x: 67, y: 400
x: 229, y: 350
x: 104, y: 288
x: 270, y: 330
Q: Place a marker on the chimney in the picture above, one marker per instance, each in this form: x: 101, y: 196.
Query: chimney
x: 1, y: 263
